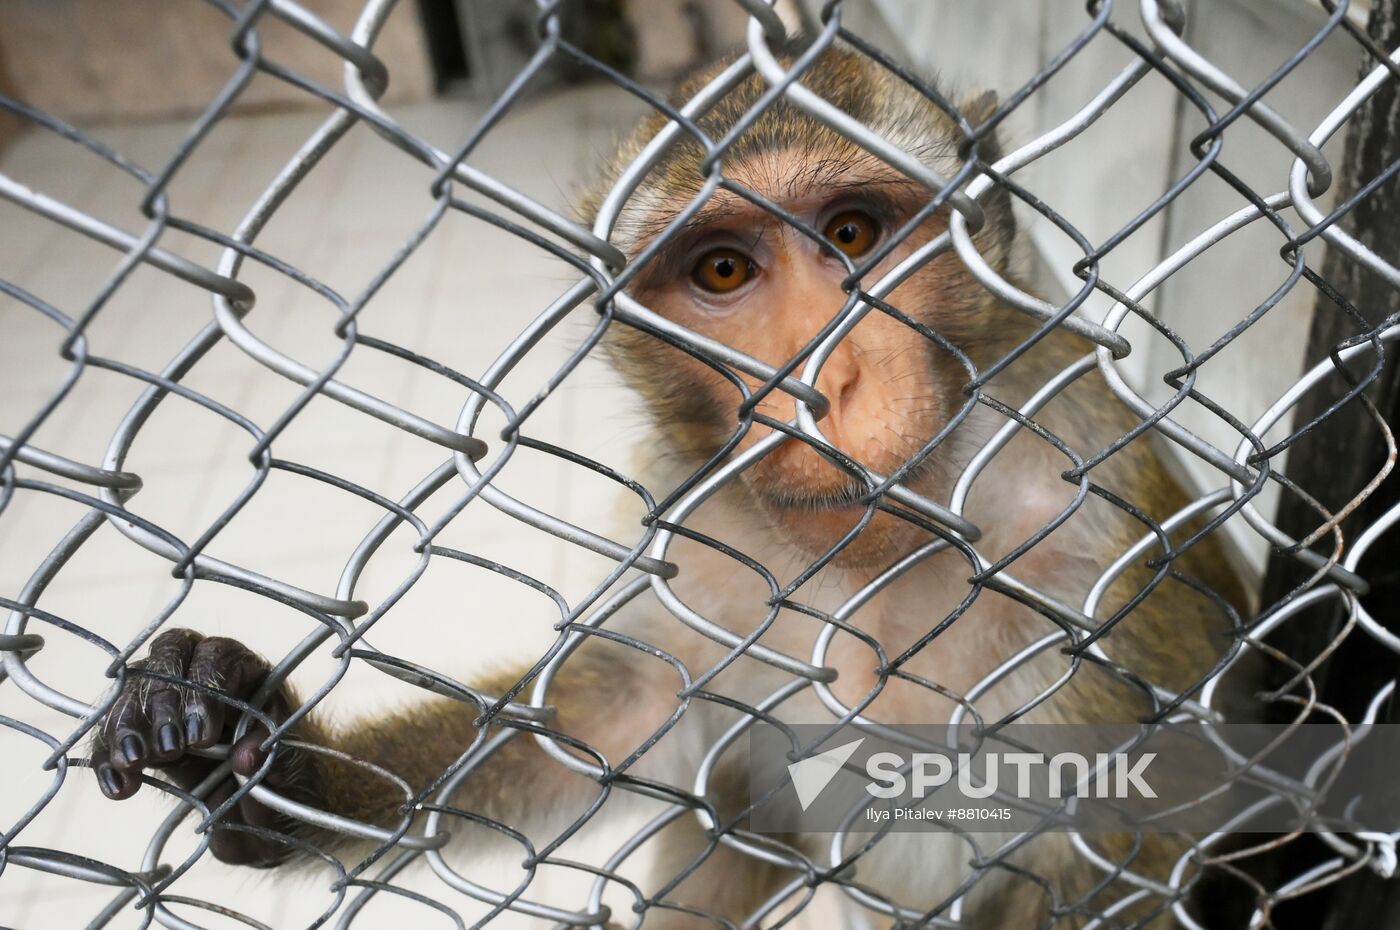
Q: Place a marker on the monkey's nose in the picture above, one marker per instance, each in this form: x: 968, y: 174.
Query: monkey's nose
x: 839, y: 380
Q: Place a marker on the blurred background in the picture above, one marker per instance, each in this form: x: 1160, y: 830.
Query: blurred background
x: 135, y: 74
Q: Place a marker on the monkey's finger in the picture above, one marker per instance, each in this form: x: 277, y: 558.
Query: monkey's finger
x: 169, y: 655
x: 225, y: 665
x: 124, y: 732
x: 238, y: 847
x: 167, y: 739
x: 227, y: 845
x: 258, y: 814
x: 263, y: 852
x: 114, y: 783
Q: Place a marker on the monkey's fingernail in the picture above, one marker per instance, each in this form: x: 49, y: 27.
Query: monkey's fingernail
x: 168, y: 739
x: 194, y: 728
x: 108, y: 778
x: 132, y: 749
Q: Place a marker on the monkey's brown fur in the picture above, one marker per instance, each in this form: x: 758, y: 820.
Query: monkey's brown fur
x: 611, y: 698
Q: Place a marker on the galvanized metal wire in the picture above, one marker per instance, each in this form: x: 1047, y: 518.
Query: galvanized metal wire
x: 644, y: 561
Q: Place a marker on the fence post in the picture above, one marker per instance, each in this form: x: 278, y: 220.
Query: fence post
x: 1337, y: 459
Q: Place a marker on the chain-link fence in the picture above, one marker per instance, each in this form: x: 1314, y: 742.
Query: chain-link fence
x: 1317, y: 621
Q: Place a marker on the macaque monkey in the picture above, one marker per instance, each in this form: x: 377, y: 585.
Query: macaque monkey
x: 746, y: 278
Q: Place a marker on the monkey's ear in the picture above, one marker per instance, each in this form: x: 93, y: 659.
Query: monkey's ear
x: 977, y: 110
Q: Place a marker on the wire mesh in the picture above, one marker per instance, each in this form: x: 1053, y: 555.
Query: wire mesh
x: 523, y: 707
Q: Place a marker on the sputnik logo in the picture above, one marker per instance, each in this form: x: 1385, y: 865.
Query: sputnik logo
x: 811, y: 775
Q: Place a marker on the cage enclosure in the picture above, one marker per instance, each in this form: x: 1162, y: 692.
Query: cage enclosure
x: 375, y: 498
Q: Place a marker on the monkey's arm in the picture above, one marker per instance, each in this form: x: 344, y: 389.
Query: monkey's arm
x: 154, y: 724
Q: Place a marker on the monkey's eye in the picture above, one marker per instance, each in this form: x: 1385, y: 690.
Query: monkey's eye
x: 723, y: 270
x: 852, y: 231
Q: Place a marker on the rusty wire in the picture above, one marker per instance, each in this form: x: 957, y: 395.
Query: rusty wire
x: 470, y: 462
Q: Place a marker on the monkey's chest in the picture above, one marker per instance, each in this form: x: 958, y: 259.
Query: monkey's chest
x: 937, y: 657
x: 912, y: 654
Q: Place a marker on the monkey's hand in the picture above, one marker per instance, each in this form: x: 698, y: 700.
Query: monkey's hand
x: 155, y: 724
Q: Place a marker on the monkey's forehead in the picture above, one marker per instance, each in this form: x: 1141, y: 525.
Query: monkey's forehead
x: 775, y: 149
x: 841, y: 76
x: 760, y: 189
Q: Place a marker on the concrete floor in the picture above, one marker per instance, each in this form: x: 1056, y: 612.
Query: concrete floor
x: 462, y: 296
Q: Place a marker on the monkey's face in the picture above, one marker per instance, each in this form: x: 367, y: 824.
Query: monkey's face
x: 747, y: 278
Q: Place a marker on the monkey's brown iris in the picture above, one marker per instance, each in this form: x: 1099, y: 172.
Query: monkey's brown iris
x: 723, y: 270
x: 852, y: 231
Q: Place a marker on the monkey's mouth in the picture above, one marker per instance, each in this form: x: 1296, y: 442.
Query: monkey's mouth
x: 816, y: 518
x: 849, y: 498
